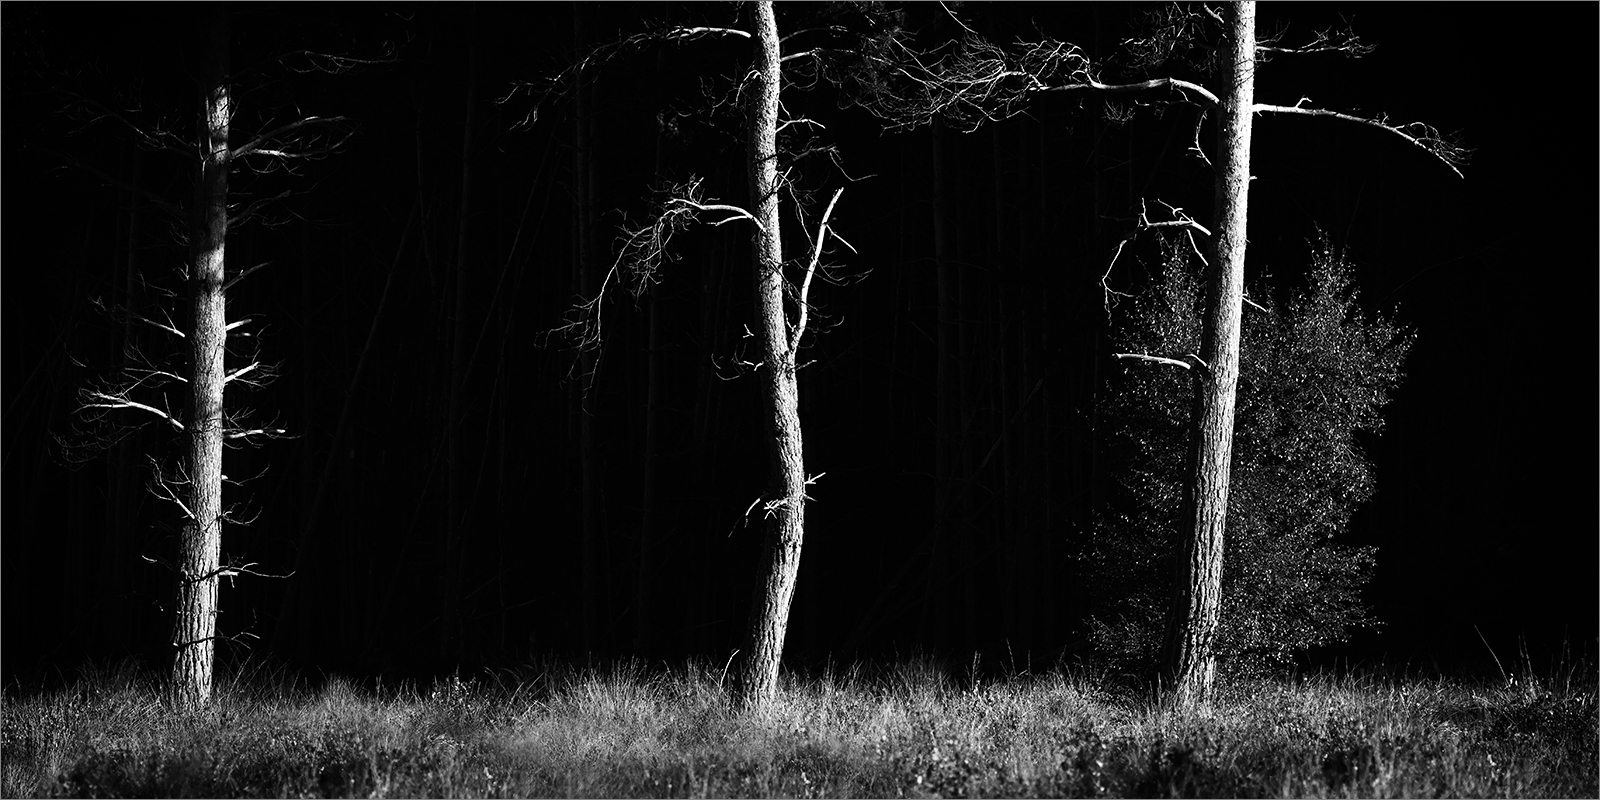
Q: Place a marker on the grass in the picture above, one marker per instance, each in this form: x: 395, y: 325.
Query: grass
x: 910, y: 730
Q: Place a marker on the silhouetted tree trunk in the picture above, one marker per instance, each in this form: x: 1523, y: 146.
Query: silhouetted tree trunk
x: 199, y: 548
x: 1197, y: 583
x: 785, y: 500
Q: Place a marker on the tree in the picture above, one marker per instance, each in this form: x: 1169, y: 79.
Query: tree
x: 645, y: 248
x: 1314, y: 376
x: 979, y: 82
x: 1189, y: 658
x: 194, y: 486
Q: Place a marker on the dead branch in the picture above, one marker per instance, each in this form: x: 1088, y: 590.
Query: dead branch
x: 1142, y: 223
x: 240, y: 373
x: 1343, y: 40
x: 1154, y: 359
x: 98, y: 399
x: 1447, y: 149
x: 161, y: 487
x: 159, y: 140
x: 257, y: 146
x: 247, y: 271
x: 805, y: 287
x: 1184, y: 86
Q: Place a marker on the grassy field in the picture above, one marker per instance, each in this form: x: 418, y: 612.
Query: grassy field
x: 633, y: 731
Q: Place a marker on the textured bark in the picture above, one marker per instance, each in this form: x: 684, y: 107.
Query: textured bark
x: 1197, y: 584
x: 785, y: 499
x: 194, y: 626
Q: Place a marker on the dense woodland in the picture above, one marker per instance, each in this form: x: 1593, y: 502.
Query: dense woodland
x: 462, y: 484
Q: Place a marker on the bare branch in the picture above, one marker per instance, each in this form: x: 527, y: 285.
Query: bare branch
x: 332, y: 64
x: 1155, y: 83
x: 254, y: 209
x: 1199, y: 119
x: 270, y: 433
x: 1447, y: 149
x: 254, y: 146
x: 697, y: 32
x: 805, y: 287
x: 1142, y: 223
x: 147, y: 374
x: 158, y: 140
x: 161, y: 487
x: 247, y: 271
x: 97, y: 399
x: 1155, y: 359
x: 1343, y: 40
x: 240, y: 373
x: 736, y: 211
x: 168, y: 327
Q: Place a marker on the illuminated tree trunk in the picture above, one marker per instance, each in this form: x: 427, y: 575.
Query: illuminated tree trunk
x: 194, y: 627
x: 785, y: 499
x: 1197, y: 585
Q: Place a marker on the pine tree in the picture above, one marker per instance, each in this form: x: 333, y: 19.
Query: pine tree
x: 1315, y: 374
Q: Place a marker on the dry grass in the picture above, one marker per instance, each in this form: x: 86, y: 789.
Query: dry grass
x: 904, y: 731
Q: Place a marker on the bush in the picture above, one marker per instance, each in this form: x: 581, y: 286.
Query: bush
x: 1315, y: 373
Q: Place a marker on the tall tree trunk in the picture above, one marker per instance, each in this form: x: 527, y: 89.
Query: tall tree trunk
x: 769, y: 617
x: 194, y: 628
x: 1197, y: 586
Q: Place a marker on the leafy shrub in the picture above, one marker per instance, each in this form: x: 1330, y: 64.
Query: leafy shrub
x: 1315, y: 373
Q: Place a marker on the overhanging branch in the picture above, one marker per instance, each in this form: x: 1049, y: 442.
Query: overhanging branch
x: 1447, y: 149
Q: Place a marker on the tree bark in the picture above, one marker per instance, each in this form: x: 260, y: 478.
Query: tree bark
x: 1197, y: 585
x: 194, y: 626
x: 785, y: 501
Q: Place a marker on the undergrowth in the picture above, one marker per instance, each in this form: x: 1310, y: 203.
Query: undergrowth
x: 910, y: 730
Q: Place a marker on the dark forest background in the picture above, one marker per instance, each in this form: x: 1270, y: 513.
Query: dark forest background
x: 1485, y: 512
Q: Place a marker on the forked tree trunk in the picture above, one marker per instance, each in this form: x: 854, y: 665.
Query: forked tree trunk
x: 194, y: 627
x: 1197, y: 585
x: 785, y: 498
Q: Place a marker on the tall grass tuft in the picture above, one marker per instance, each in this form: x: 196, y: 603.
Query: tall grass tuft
x: 635, y: 730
